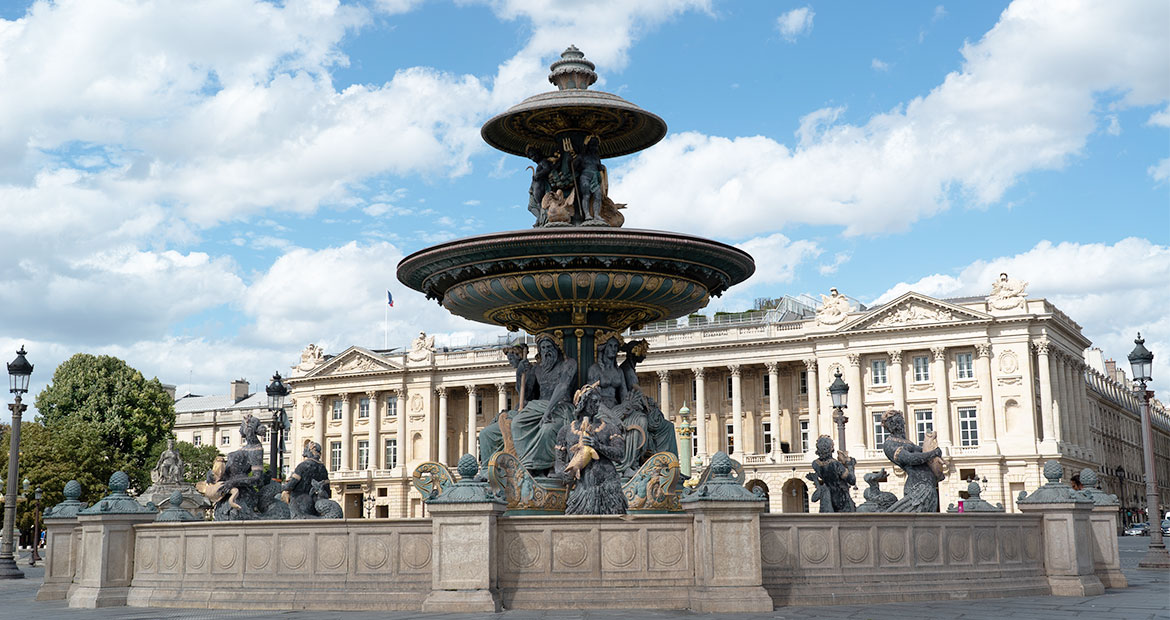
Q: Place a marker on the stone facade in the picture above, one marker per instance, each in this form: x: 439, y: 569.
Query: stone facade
x: 1003, y: 380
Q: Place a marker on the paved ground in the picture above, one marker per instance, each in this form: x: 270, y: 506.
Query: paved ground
x: 1147, y: 597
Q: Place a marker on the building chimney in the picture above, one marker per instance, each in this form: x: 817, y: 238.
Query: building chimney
x: 169, y: 389
x: 239, y: 390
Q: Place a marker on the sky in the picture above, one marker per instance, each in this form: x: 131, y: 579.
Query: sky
x: 203, y: 189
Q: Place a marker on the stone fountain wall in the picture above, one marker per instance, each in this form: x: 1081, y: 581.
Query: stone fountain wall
x: 713, y: 558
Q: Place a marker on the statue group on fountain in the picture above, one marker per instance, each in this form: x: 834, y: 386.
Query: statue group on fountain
x: 570, y: 186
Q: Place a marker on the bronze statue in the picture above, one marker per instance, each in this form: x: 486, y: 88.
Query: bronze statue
x: 535, y: 426
x: 590, y: 180
x: 606, y: 373
x: 586, y: 451
x: 238, y: 485
x: 539, y: 187
x: 921, y: 490
x: 834, y: 477
x: 876, y: 500
x: 491, y: 438
x: 303, y: 489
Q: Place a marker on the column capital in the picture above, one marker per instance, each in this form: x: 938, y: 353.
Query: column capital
x: 372, y: 394
x: 663, y: 375
x: 1041, y: 345
x: 344, y: 396
x: 940, y: 353
x: 854, y: 359
x: 472, y: 390
x: 895, y: 356
x: 772, y: 367
x: 501, y: 386
x: 441, y: 391
x: 810, y: 364
x: 734, y: 368
x: 983, y: 349
x: 318, y: 399
x: 699, y: 371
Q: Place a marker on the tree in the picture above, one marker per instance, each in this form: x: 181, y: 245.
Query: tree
x: 103, y: 416
x: 197, y: 460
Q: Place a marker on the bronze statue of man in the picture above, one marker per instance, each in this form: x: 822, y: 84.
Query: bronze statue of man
x: 297, y: 491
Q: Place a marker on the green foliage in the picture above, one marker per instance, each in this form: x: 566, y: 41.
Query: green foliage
x: 103, y: 416
x: 196, y: 459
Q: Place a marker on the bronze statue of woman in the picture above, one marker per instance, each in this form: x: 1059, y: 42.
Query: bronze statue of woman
x: 586, y: 452
x: 921, y: 490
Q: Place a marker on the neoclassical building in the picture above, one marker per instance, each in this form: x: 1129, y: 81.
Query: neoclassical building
x: 1006, y: 381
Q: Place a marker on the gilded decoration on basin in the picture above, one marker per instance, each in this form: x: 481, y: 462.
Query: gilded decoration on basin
x: 655, y: 488
x: 522, y: 492
x: 431, y: 479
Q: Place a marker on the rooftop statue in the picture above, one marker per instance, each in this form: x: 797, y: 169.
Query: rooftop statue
x: 307, y: 490
x: 536, y: 424
x: 1007, y: 293
x: 586, y: 452
x: 922, y: 476
x: 833, y: 478
x: 833, y: 309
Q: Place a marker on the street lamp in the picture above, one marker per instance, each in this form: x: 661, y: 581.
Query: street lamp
x: 839, y: 390
x: 277, y: 390
x: 19, y: 371
x: 36, y: 533
x: 1141, y: 361
x: 369, y: 502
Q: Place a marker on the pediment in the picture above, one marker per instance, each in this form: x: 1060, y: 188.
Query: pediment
x: 914, y: 309
x: 352, y: 361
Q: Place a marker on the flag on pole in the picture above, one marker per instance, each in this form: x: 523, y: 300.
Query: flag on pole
x: 389, y: 299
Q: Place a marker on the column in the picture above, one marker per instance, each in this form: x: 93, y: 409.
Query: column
x: 400, y: 428
x: 814, y: 405
x: 1067, y: 408
x: 987, y: 417
x: 1045, y: 373
x: 774, y: 404
x: 319, y: 424
x: 664, y: 393
x: 346, y: 432
x: 898, y: 381
x: 942, y: 415
x: 1088, y: 410
x: 736, y: 413
x: 442, y: 457
x: 701, y: 412
x: 472, y: 394
x: 501, y: 402
x: 855, y: 428
x: 375, y: 450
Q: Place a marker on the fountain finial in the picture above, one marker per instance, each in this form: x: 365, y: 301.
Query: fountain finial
x: 572, y: 71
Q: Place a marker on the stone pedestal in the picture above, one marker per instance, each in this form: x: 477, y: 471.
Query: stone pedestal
x: 1068, y: 535
x: 1106, y: 557
x: 728, y: 575
x: 463, y: 539
x: 106, y: 554
x: 62, y: 537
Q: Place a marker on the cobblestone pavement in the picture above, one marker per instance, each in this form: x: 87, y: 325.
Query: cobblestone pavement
x: 1148, y: 596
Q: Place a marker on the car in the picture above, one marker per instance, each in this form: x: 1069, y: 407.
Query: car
x: 1166, y: 527
x: 1138, y: 529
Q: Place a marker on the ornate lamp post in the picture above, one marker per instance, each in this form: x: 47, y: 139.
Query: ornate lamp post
x: 1120, y: 474
x: 19, y: 371
x: 684, y: 432
x: 839, y: 391
x: 277, y: 390
x: 369, y: 502
x: 1141, y: 361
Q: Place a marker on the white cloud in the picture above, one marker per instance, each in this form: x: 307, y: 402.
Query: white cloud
x: 1023, y: 100
x: 1161, y: 118
x: 879, y: 65
x: 777, y: 257
x: 1160, y: 171
x: 1112, y: 291
x: 795, y: 23
x: 840, y: 258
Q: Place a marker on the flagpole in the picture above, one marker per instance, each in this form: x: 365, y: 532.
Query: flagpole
x: 385, y: 326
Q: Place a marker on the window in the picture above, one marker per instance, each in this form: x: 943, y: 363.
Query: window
x: 804, y: 382
x: 694, y: 390
x: 197, y: 439
x: 804, y: 435
x: 767, y: 434
x: 694, y: 446
x: 363, y: 454
x: 391, y: 406
x: 878, y: 372
x: 336, y: 408
x: 964, y: 366
x: 923, y: 423
x: 729, y: 428
x: 364, y: 408
x: 225, y: 438
x: 729, y: 388
x: 879, y: 431
x: 921, y: 368
x: 478, y: 404
x: 334, y: 455
x: 508, y: 401
x: 767, y: 386
x: 968, y: 427
x: 391, y: 453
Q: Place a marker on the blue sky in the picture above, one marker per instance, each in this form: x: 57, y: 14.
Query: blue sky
x: 205, y: 189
